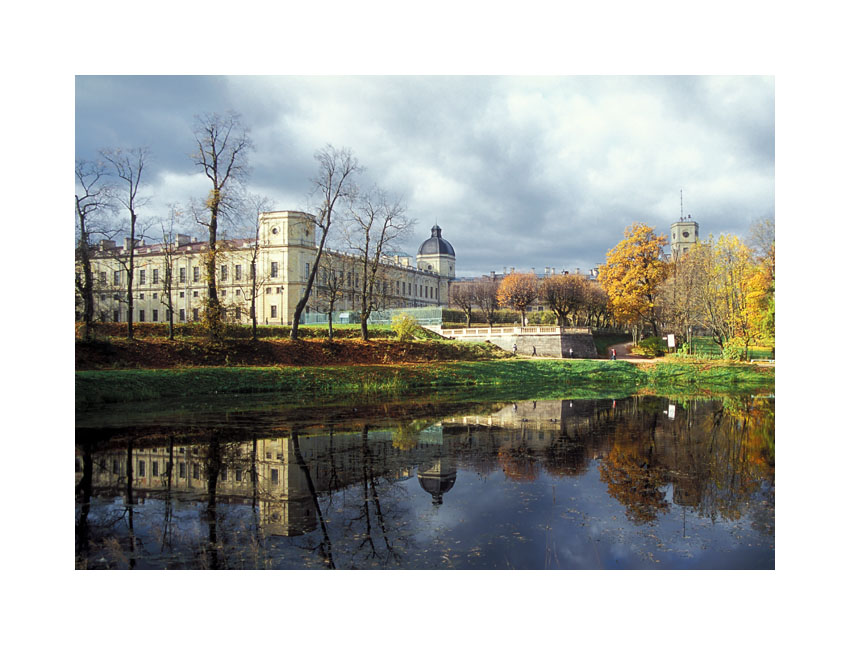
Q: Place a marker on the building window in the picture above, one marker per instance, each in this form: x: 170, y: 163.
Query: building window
x: 268, y: 289
x: 223, y: 272
x: 182, y: 470
x: 306, y: 270
x: 182, y: 315
x: 194, y: 294
x: 141, y: 276
x: 156, y: 276
x: 154, y: 469
x: 103, y: 277
x: 141, y: 468
x: 116, y: 277
x: 274, y: 475
x: 195, y: 316
x: 238, y: 271
x: 196, y: 471
x: 279, y: 290
x: 114, y: 466
x: 182, y: 277
x: 156, y: 315
x: 239, y: 474
x: 115, y: 316
x: 196, y: 274
x: 224, y: 293
x: 224, y: 473
x: 141, y: 315
x: 274, y: 311
x: 274, y: 269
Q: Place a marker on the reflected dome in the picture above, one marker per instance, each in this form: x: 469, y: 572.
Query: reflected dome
x: 438, y: 479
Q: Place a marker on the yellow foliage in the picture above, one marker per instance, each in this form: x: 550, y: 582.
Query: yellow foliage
x: 634, y: 270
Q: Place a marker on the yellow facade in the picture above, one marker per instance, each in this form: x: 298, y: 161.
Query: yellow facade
x: 287, y: 249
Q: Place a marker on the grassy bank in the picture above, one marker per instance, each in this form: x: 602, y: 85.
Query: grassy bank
x: 512, y: 377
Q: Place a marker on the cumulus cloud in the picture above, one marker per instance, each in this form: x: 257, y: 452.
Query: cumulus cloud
x: 518, y: 171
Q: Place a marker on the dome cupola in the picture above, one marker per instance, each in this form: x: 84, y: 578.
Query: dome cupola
x: 436, y: 245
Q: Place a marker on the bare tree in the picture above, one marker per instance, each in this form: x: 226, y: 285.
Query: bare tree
x: 762, y: 239
x: 331, y: 288
x: 169, y: 247
x: 373, y: 227
x: 485, y: 293
x: 91, y: 198
x: 222, y: 150
x: 564, y: 294
x: 256, y: 206
x: 462, y: 297
x: 129, y: 167
x: 334, y: 182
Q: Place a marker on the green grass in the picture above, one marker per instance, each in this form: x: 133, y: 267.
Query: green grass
x: 706, y: 347
x: 511, y: 378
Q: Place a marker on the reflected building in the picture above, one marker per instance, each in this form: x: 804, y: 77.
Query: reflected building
x: 707, y: 465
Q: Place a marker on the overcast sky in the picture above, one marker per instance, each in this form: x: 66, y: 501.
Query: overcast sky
x: 518, y: 171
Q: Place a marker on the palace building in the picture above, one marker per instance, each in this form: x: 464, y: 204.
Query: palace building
x: 283, y: 253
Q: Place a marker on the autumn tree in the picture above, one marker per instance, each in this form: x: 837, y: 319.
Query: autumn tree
x: 373, y: 227
x: 485, y: 294
x: 564, y: 294
x: 222, y: 146
x: 762, y: 239
x: 518, y: 291
x: 634, y: 270
x: 90, y: 200
x: 462, y: 297
x: 334, y: 183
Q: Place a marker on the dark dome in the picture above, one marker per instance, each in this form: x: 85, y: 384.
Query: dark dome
x: 436, y: 245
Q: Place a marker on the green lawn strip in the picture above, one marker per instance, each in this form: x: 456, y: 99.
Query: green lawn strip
x: 513, y: 377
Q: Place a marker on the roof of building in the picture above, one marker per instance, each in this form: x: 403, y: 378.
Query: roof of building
x: 436, y: 245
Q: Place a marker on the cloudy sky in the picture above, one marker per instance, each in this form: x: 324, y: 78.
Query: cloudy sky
x: 519, y: 171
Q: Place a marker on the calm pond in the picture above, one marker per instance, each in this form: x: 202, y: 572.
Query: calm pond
x: 636, y: 483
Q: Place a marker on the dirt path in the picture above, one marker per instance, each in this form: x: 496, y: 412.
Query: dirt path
x: 624, y: 354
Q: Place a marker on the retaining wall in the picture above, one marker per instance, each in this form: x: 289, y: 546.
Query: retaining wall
x: 551, y: 345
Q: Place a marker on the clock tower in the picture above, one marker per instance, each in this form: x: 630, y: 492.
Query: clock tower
x: 683, y: 235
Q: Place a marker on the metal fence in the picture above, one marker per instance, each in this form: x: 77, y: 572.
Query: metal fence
x: 422, y: 315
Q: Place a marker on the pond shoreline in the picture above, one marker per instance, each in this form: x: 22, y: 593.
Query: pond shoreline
x: 98, y: 387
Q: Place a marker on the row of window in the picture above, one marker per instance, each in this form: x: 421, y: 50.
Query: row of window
x: 182, y: 471
x: 117, y: 276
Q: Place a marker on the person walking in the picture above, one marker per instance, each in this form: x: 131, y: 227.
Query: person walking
x: 514, y: 348
x: 533, y: 350
x: 571, y: 352
x: 613, y: 354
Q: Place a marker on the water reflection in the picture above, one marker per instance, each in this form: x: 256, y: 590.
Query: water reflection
x: 530, y: 484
